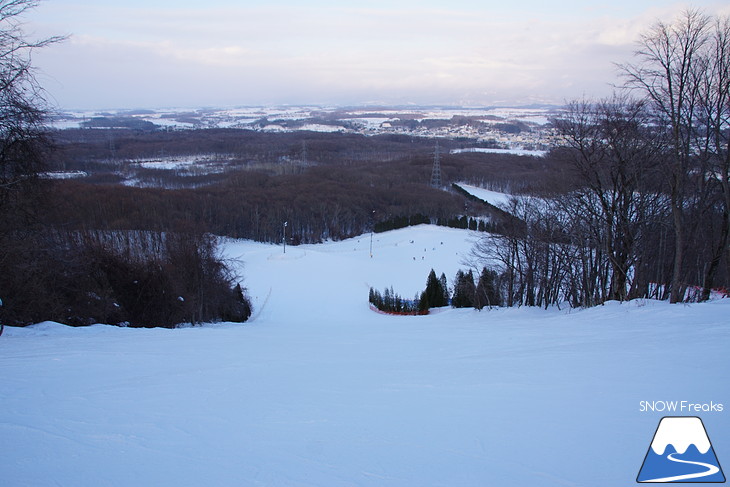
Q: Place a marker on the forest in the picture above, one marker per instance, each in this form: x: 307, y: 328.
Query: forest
x: 649, y: 217
x: 327, y: 186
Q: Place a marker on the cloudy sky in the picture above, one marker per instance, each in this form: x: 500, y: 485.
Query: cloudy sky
x: 180, y: 53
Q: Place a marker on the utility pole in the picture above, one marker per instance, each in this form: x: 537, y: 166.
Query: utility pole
x: 436, y: 171
x: 372, y: 229
x: 285, y: 224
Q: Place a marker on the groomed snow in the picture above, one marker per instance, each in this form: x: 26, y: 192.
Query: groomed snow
x: 495, y: 198
x: 317, y: 390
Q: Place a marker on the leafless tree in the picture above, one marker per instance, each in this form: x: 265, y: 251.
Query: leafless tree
x: 714, y: 141
x: 22, y: 149
x: 23, y: 107
x: 614, y: 152
x: 670, y: 67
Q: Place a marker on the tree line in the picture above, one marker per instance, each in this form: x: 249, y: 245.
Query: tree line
x: 650, y: 216
x: 437, y: 294
x: 83, y: 274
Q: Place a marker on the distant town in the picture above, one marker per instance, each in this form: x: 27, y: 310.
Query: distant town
x: 510, y: 129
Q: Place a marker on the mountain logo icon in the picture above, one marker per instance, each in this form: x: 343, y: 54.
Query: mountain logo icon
x: 681, y: 452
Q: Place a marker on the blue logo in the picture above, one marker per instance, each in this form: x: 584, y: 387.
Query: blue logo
x: 681, y: 452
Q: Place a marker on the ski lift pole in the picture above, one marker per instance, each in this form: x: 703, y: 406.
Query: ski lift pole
x: 285, y: 224
x: 372, y: 229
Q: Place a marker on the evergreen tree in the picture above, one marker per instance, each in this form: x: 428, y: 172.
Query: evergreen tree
x: 487, y: 293
x: 374, y: 298
x: 464, y: 290
x: 387, y: 300
x: 390, y: 301
x: 435, y: 294
x: 444, y: 290
x: 423, y: 304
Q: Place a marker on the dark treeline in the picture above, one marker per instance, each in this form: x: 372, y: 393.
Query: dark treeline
x: 398, y: 158
x: 351, y: 184
x: 318, y: 205
x: 82, y: 274
x: 465, y: 294
x: 435, y: 295
x: 88, y: 149
x: 131, y: 278
x: 393, y: 303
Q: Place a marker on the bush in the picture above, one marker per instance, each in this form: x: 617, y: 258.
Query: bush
x: 141, y: 279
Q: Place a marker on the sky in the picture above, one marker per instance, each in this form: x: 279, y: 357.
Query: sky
x: 220, y: 53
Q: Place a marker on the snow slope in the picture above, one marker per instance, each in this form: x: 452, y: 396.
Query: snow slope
x: 501, y: 200
x: 317, y: 390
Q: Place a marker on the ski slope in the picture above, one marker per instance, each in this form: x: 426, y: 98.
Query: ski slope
x: 317, y: 390
x: 495, y: 198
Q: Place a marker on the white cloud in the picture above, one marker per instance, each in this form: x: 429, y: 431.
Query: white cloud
x: 339, y: 54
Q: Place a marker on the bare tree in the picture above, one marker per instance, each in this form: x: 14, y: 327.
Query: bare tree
x: 23, y: 107
x: 613, y: 152
x: 714, y: 141
x: 668, y: 71
x: 22, y: 146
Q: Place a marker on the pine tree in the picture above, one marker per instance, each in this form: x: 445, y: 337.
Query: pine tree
x: 464, y: 290
x: 423, y: 304
x: 487, y: 293
x: 435, y: 295
x: 387, y: 300
x: 444, y: 290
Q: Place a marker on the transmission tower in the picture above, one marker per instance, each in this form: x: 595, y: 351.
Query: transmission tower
x: 436, y: 171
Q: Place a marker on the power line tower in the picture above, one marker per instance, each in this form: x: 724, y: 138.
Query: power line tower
x: 436, y: 171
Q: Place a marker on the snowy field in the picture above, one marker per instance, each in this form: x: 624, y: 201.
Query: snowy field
x: 188, y: 118
x: 318, y: 390
x: 514, y: 152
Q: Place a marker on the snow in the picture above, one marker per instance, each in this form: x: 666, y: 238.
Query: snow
x: 495, y: 198
x: 168, y: 164
x: 63, y: 174
x: 318, y: 127
x: 681, y: 432
x: 371, y: 123
x: 516, y: 152
x: 63, y: 124
x: 318, y: 390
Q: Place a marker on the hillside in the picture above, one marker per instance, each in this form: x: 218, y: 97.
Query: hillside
x: 318, y: 390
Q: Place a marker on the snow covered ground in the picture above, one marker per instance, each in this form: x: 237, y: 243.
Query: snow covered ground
x: 317, y: 390
x: 501, y: 200
x: 514, y: 152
